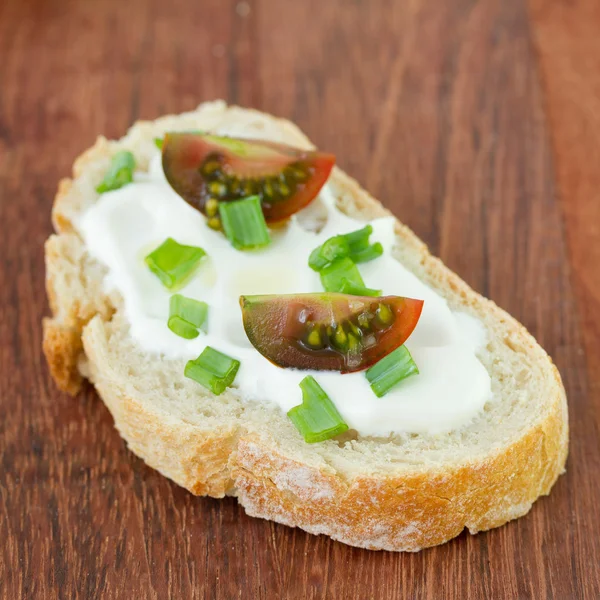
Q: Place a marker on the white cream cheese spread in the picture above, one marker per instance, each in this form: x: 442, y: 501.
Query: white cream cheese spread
x: 126, y: 224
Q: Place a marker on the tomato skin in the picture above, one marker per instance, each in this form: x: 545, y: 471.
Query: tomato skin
x: 184, y: 154
x: 279, y: 328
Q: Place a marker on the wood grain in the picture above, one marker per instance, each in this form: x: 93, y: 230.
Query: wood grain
x: 438, y: 109
x: 566, y: 35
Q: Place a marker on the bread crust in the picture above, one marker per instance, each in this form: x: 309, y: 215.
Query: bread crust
x: 407, y: 511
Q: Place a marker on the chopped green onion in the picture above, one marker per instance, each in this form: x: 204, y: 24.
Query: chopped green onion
x: 359, y: 239
x: 317, y: 418
x: 334, y: 275
x: 182, y: 328
x: 360, y: 250
x: 330, y: 250
x: 347, y: 287
x: 354, y: 245
x: 186, y: 316
x: 119, y: 173
x: 174, y: 263
x: 190, y: 310
x: 369, y: 253
x: 213, y: 369
x: 391, y: 370
x: 244, y: 223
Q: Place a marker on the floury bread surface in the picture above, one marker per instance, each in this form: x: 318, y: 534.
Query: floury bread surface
x: 406, y: 492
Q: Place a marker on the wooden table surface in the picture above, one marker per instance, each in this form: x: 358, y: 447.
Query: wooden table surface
x: 476, y: 121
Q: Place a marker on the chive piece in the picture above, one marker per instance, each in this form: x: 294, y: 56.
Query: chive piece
x: 369, y: 253
x: 348, y: 287
x: 190, y: 310
x: 360, y: 250
x: 359, y: 239
x: 244, y: 223
x: 317, y: 418
x: 186, y: 316
x: 119, y: 173
x: 333, y: 275
x: 174, y: 263
x: 213, y: 369
x: 391, y: 370
x: 354, y: 245
x: 182, y: 328
x: 330, y: 250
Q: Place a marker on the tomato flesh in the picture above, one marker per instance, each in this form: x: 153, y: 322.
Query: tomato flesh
x: 328, y: 331
x: 203, y: 168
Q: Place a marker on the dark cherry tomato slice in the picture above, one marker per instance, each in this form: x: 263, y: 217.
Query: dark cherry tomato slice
x: 207, y: 169
x: 327, y: 331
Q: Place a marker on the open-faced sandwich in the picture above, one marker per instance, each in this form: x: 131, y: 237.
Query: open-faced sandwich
x: 259, y: 326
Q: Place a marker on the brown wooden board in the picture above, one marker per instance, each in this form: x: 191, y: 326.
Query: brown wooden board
x: 437, y: 107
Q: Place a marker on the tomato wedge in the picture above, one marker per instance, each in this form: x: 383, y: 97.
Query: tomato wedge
x: 328, y: 331
x: 207, y: 169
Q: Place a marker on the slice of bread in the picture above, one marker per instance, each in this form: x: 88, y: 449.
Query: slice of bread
x: 405, y: 492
